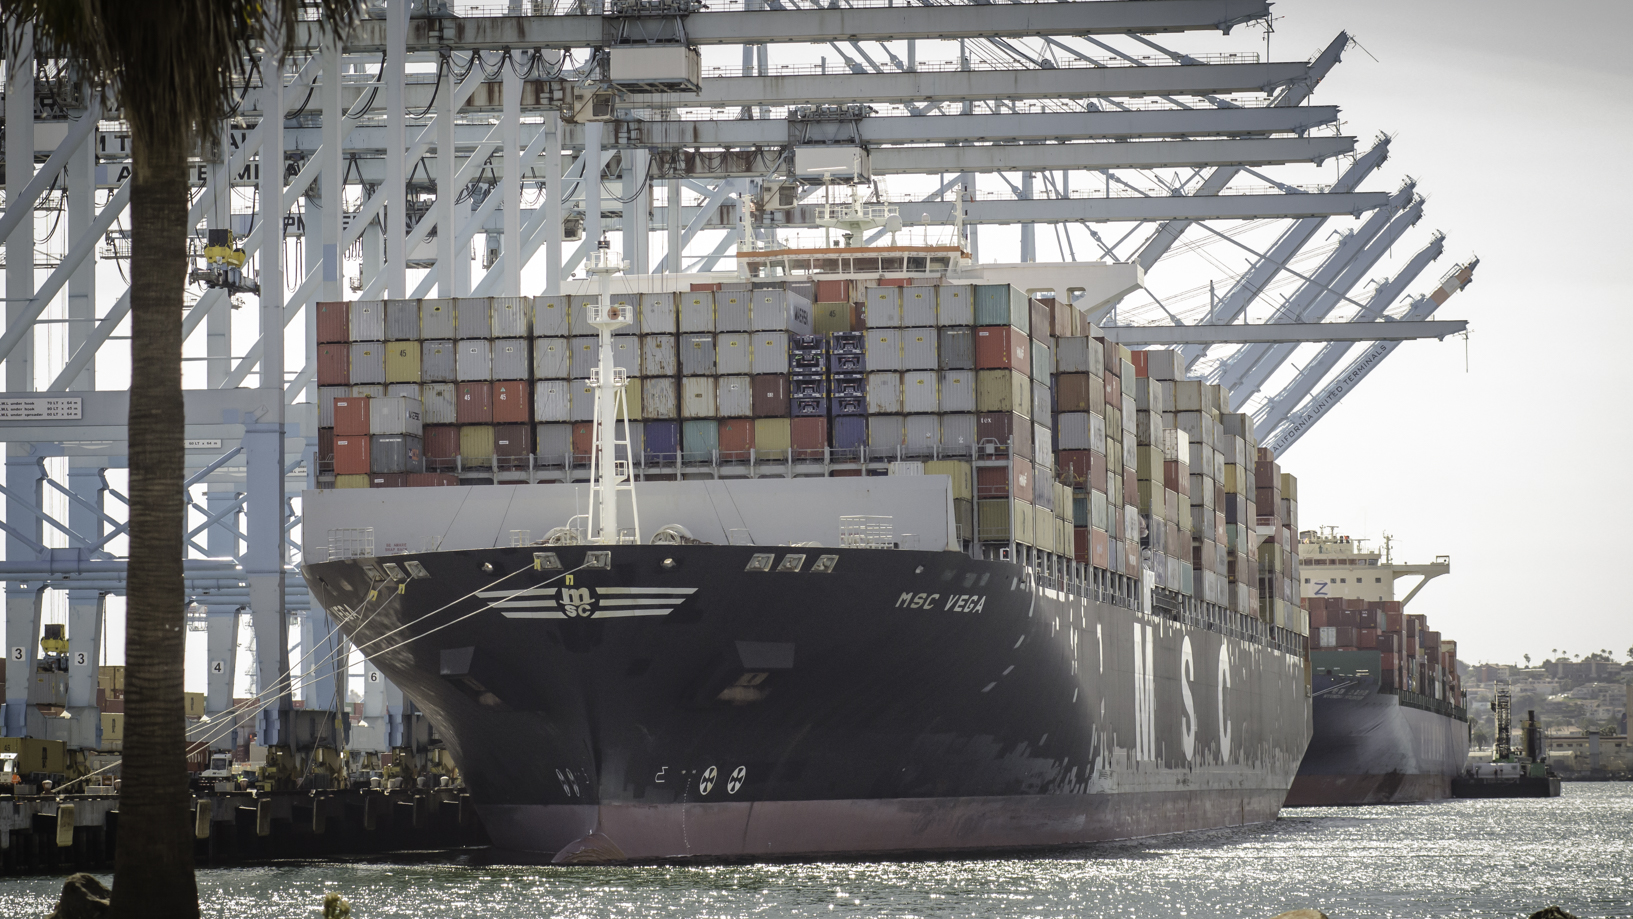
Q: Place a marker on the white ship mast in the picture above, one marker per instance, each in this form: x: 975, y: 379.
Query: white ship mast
x: 608, y: 474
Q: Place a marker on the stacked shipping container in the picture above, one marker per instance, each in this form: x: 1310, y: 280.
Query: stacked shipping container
x: 1413, y: 658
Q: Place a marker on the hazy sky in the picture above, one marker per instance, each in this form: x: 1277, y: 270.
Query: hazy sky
x: 1514, y: 119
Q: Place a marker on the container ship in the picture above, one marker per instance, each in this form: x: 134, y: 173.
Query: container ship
x: 856, y: 551
x: 1389, y: 715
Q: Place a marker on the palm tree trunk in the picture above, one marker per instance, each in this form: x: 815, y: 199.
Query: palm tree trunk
x: 153, y: 864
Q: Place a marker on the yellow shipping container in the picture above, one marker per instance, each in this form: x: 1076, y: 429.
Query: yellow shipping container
x: 352, y: 481
x: 1238, y: 480
x: 1289, y: 486
x: 1149, y: 462
x: 1003, y: 391
x: 963, y: 516
x: 993, y: 519
x: 1024, y: 517
x: 476, y: 444
x: 1043, y: 527
x: 113, y: 730
x: 958, y: 471
x: 771, y: 435
x: 35, y: 755
x: 402, y: 362
x: 111, y: 678
x: 831, y: 317
x: 194, y: 704
x: 632, y: 396
x: 1153, y: 498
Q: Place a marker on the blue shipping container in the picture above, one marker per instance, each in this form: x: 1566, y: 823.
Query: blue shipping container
x: 662, y: 439
x: 808, y: 406
x: 850, y: 405
x: 850, y: 432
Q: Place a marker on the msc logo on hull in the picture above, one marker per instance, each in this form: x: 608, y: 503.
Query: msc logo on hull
x: 586, y: 602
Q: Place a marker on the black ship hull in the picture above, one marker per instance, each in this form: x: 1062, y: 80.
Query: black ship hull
x: 1538, y: 786
x: 682, y: 704
x: 1370, y: 747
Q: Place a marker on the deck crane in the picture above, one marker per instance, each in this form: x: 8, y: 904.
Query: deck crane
x: 224, y: 265
x: 1279, y: 406
x: 1323, y: 401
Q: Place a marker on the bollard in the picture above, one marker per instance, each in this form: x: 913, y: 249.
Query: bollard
x: 201, y: 821
x: 65, y: 825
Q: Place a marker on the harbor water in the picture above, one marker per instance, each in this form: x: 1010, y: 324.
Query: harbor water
x: 1489, y: 859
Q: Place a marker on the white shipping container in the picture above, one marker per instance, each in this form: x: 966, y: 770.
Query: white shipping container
x: 411, y: 390
x: 578, y: 316
x: 886, y: 433
x: 583, y: 401
x: 1074, y: 430
x: 883, y: 308
x: 733, y: 353
x: 1097, y: 433
x: 439, y: 403
x: 884, y: 348
x: 367, y: 390
x: 1073, y: 355
x: 957, y: 391
x: 920, y: 391
x: 437, y: 319
x: 402, y: 320
x: 1176, y: 446
x: 696, y: 311
x: 658, y: 356
x: 400, y: 415
x: 629, y: 307
x: 770, y: 352
x: 918, y: 306
x: 955, y: 304
x: 550, y: 316
x: 658, y: 398
x: 552, y: 359
x: 552, y: 400
x: 697, y: 397
x: 626, y: 354
x: 919, y: 348
x: 1043, y: 448
x: 474, y: 360
x: 922, y: 435
x: 884, y: 393
x: 475, y: 317
x: 326, y: 403
x: 554, y: 442
x: 658, y: 314
x: 586, y: 354
x: 369, y: 361
x: 735, y: 395
x: 368, y: 320
x: 957, y: 433
x: 510, y: 317
x: 781, y: 311
x: 510, y: 359
x: 697, y: 355
x: 734, y: 311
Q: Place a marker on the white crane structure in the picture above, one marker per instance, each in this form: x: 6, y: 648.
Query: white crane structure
x: 368, y: 166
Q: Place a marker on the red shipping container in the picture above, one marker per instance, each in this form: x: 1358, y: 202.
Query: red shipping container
x: 1097, y: 472
x: 1141, y: 361
x: 475, y: 405
x: 1072, y: 392
x: 809, y: 436
x: 430, y: 479
x: 1113, y: 356
x: 843, y: 473
x: 1073, y: 466
x: 859, y: 321
x: 512, y: 403
x: 334, y: 321
x: 352, y: 455
x: 351, y: 415
x: 326, y: 449
x: 1006, y: 430
x: 1114, y: 389
x: 736, y: 437
x: 583, y: 438
x: 335, y: 365
x: 512, y: 440
x: 893, y: 282
x: 1131, y: 488
x: 700, y: 287
x: 388, y: 480
x: 1391, y: 660
x: 1002, y: 347
x: 771, y: 394
x: 1176, y: 477
x: 996, y: 482
x: 441, y: 441
x: 833, y: 291
x: 1040, y: 320
x: 1099, y: 548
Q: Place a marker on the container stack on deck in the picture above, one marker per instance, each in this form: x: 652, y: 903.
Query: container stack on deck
x: 1413, y: 658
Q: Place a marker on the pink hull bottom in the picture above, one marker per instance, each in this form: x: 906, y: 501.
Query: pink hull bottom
x: 1389, y: 788
x: 632, y: 832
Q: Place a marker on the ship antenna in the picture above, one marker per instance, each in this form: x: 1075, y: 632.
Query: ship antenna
x: 608, y: 474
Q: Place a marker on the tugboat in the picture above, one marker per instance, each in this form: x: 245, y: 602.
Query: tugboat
x: 1511, y: 775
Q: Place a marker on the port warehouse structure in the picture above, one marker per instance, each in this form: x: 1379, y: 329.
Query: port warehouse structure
x: 678, y: 168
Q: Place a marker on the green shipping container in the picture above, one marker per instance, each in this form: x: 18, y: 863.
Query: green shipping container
x: 1001, y: 304
x: 1003, y: 391
x: 699, y: 438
